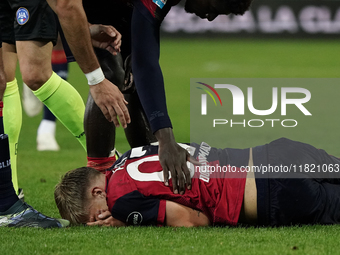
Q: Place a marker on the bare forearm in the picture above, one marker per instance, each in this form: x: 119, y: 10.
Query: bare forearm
x: 181, y: 216
x: 74, y: 23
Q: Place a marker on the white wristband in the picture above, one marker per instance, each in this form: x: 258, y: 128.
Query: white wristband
x: 95, y: 77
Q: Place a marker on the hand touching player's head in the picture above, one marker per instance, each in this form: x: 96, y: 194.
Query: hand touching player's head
x: 210, y: 9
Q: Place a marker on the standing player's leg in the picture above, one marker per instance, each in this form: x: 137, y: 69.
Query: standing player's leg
x: 100, y: 133
x: 14, y: 212
x: 118, y: 14
x: 13, y: 111
x: 138, y: 132
x: 35, y: 29
x: 8, y: 196
x: 11, y: 31
x: 32, y: 105
x: 58, y: 95
x: 46, y: 131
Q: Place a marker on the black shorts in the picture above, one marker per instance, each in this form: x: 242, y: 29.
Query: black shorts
x: 305, y: 197
x: 24, y: 20
x: 108, y: 12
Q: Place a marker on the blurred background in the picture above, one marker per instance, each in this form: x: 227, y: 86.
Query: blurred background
x: 266, y: 18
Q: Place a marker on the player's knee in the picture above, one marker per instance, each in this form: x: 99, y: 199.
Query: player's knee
x: 112, y: 67
x: 116, y: 76
x: 34, y: 79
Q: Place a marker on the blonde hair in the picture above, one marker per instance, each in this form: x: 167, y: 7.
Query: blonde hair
x: 70, y: 194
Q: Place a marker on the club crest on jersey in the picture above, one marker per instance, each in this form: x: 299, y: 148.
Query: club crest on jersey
x: 22, y: 16
x: 134, y: 218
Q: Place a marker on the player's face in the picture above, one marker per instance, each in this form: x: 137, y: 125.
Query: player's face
x: 97, y: 198
x: 96, y: 207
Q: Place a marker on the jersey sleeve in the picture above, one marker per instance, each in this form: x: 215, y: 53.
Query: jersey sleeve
x: 136, y: 209
x: 147, y: 72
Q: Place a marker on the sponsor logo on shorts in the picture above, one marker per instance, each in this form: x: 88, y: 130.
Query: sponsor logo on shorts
x: 134, y: 218
x: 22, y: 16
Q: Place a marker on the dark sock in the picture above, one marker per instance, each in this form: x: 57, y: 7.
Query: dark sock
x: 8, y: 197
x: 48, y: 115
x: 59, y: 63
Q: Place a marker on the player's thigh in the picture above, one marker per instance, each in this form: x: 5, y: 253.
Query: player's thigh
x: 112, y: 66
x: 35, y: 62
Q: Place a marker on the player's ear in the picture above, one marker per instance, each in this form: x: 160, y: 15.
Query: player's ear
x: 98, y: 192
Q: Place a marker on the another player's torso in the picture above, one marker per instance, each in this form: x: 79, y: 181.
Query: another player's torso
x: 217, y: 194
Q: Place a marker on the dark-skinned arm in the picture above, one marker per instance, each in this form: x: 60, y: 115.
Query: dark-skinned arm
x: 150, y: 87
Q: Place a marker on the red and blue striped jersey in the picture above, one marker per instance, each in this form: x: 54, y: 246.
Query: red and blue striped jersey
x: 136, y: 193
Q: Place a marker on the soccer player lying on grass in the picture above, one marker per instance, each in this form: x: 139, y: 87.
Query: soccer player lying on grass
x: 132, y: 192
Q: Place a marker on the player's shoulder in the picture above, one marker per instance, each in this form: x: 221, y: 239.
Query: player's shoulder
x: 152, y: 150
x: 135, y: 153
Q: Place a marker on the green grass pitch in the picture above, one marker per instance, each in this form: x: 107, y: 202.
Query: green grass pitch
x: 181, y: 60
